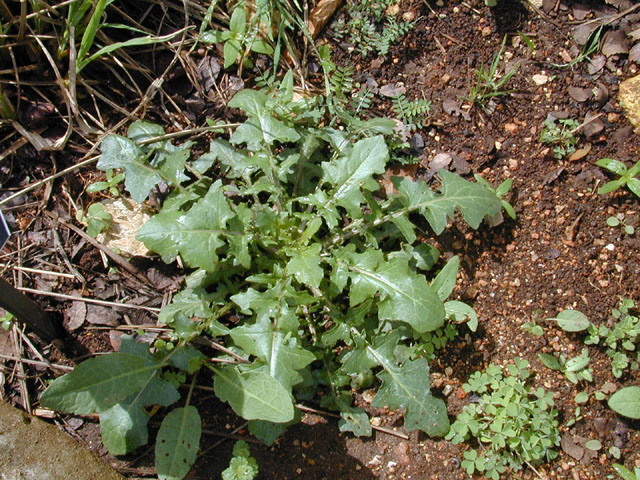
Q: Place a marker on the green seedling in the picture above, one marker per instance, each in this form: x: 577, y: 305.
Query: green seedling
x: 561, y: 135
x: 110, y: 184
x: 87, y: 17
x: 500, y: 192
x: 591, y: 46
x: 513, y: 423
x: 575, y: 369
x: 579, y: 399
x: 6, y: 321
x: 373, y: 26
x: 628, y: 177
x: 490, y: 82
x: 626, y: 402
x: 618, y: 221
x: 625, y: 473
x: 571, y: 321
x: 242, y: 466
x: 97, y: 219
x: 238, y: 40
x: 412, y: 113
x: 532, y: 328
x: 620, y: 340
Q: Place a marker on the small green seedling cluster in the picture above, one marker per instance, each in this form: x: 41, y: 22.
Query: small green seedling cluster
x: 619, y: 221
x: 97, y: 219
x: 412, y: 113
x: 560, y: 134
x: 490, y: 82
x: 627, y: 176
x: 620, y: 340
x: 373, y: 26
x: 242, y: 465
x: 513, y: 423
x: 575, y: 369
x: 110, y: 184
x: 241, y: 38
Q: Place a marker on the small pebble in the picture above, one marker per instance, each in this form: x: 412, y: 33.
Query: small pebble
x: 540, y: 79
x: 511, y: 128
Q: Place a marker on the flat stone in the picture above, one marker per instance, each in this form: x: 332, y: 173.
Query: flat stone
x: 629, y: 98
x: 35, y: 450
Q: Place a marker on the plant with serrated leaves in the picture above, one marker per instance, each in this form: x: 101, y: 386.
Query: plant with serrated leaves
x: 96, y: 218
x: 560, y: 134
x: 413, y: 113
x: 303, y: 273
x: 242, y: 466
x: 575, y: 369
x: 373, y: 26
x: 513, y: 423
x: 627, y: 176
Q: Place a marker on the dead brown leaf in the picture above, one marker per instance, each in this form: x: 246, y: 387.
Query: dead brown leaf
x: 321, y: 14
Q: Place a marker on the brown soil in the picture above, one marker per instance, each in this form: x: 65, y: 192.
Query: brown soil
x: 559, y: 253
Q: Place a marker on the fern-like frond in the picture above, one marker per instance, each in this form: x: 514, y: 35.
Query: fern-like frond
x: 412, y: 112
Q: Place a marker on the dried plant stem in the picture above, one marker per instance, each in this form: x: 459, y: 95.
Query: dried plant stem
x: 90, y: 300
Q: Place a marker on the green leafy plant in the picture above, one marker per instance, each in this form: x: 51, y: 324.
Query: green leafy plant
x: 490, y: 82
x: 119, y: 386
x: 500, y: 192
x: 533, y: 328
x: 412, y: 112
x: 619, y: 339
x: 626, y: 402
x: 305, y: 276
x: 87, y: 18
x: 97, y: 219
x: 513, y: 423
x: 240, y: 39
x: 373, y: 26
x: 628, y: 177
x: 625, y: 473
x: 6, y: 321
x: 561, y: 134
x: 571, y: 320
x: 110, y: 184
x: 618, y: 221
x: 591, y: 46
x: 242, y: 466
x: 575, y: 369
